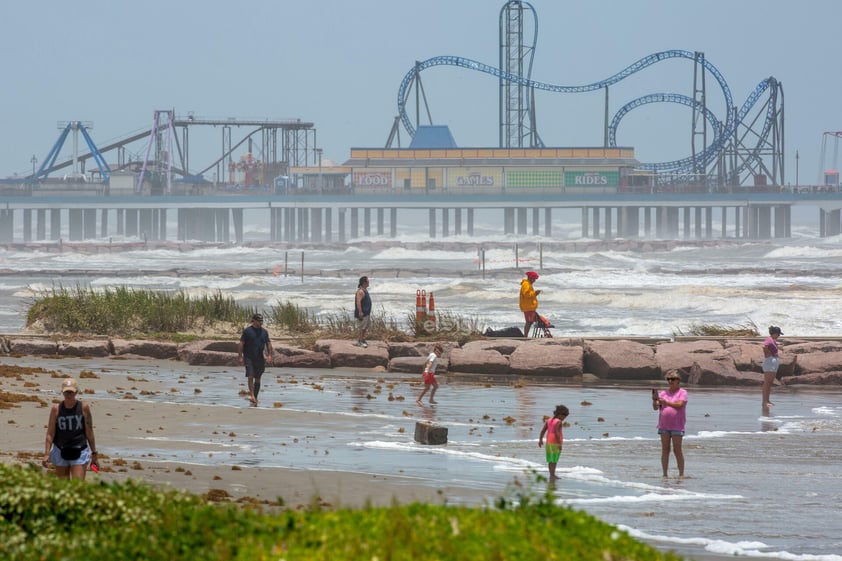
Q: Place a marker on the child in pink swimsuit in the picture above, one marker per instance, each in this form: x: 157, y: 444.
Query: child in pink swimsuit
x: 555, y: 438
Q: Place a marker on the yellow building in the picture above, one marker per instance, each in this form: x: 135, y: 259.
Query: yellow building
x: 478, y: 170
x: 434, y: 163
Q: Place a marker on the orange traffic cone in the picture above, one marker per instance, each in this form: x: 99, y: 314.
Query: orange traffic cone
x: 420, y: 312
x: 431, y: 311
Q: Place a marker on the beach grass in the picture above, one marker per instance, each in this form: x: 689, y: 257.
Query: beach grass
x: 42, y: 517
x: 747, y: 329
x: 176, y: 316
x: 126, y: 311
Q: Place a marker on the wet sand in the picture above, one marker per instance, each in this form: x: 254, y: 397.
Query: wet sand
x: 118, y: 423
x: 209, y: 420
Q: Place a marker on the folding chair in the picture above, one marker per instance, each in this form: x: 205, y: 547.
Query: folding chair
x: 541, y: 327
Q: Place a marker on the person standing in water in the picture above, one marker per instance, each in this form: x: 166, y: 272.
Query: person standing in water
x: 770, y: 365
x: 555, y: 438
x: 672, y: 417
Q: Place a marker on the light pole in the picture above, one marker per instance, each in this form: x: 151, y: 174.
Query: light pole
x: 34, y: 161
x: 796, y: 170
x: 319, y: 154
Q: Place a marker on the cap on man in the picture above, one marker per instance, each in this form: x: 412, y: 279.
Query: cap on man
x: 69, y: 385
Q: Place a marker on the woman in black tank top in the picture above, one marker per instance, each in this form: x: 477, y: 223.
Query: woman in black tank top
x: 70, y: 441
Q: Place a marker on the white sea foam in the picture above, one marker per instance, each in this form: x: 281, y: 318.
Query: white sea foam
x: 406, y: 446
x: 722, y: 547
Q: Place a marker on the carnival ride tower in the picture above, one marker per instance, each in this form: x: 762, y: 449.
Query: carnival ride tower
x: 161, y: 139
x: 517, y: 98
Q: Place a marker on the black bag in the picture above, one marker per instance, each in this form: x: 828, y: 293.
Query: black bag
x: 509, y: 332
x: 71, y: 452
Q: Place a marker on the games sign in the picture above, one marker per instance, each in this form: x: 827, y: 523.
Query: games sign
x: 474, y: 179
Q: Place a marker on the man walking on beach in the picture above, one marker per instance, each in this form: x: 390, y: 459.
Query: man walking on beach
x: 362, y: 311
x: 254, y: 342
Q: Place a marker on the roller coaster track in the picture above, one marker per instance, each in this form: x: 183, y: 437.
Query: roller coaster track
x: 723, y: 130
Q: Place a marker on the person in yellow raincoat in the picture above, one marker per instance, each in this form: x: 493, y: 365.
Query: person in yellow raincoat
x: 529, y: 301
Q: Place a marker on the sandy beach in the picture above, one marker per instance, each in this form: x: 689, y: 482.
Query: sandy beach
x: 344, y: 438
x: 118, y: 422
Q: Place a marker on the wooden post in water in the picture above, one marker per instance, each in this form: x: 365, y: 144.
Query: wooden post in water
x: 541, y: 257
x: 302, y: 267
x: 483, y: 263
x: 286, y: 263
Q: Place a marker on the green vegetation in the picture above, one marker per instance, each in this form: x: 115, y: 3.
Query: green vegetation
x: 748, y: 329
x: 42, y: 517
x: 165, y: 315
x: 125, y: 311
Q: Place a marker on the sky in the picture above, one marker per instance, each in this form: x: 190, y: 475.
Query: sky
x: 339, y: 64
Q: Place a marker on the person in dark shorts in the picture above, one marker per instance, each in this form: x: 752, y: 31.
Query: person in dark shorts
x: 254, y: 344
x: 362, y: 311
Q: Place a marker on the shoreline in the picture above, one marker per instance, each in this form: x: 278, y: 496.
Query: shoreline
x: 114, y: 429
x: 125, y: 428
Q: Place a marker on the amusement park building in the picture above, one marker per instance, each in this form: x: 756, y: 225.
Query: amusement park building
x: 478, y: 170
x: 569, y: 170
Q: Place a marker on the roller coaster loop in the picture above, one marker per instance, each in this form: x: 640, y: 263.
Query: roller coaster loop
x: 722, y: 131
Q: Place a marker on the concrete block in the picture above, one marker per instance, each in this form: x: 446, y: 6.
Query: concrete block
x: 428, y: 433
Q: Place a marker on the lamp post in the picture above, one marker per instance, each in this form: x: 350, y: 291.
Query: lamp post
x: 319, y: 154
x: 34, y: 161
x: 796, y: 170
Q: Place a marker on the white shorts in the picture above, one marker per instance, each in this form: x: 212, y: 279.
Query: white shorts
x: 58, y: 461
x: 770, y: 364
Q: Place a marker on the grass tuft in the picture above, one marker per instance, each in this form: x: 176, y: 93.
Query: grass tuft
x: 748, y: 329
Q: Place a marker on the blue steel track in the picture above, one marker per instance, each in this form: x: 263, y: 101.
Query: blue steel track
x: 723, y: 130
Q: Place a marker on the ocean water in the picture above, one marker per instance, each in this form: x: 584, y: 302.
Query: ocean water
x: 793, y: 283
x: 766, y: 487
x: 755, y: 487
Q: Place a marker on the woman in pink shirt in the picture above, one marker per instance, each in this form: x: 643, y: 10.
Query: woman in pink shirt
x: 672, y: 415
x: 770, y: 365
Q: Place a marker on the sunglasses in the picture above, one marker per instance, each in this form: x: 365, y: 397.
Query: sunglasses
x: 673, y: 379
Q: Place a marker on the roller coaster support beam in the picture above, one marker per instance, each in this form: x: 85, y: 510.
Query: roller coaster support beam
x: 49, y: 161
x: 699, y: 125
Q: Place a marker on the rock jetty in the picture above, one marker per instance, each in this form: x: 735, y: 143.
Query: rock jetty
x: 700, y: 361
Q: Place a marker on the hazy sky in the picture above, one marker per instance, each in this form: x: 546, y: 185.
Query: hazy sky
x: 339, y: 63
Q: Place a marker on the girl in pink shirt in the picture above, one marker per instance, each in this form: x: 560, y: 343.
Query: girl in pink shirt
x: 555, y: 438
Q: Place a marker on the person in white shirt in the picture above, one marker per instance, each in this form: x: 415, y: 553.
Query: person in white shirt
x: 429, y: 374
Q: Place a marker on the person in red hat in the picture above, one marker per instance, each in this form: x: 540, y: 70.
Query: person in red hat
x: 529, y: 300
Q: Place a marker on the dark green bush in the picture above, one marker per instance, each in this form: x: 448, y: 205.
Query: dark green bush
x: 42, y: 517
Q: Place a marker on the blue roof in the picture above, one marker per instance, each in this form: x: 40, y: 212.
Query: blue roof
x: 433, y: 136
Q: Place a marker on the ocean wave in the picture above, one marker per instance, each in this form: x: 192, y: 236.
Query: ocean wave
x: 722, y: 547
